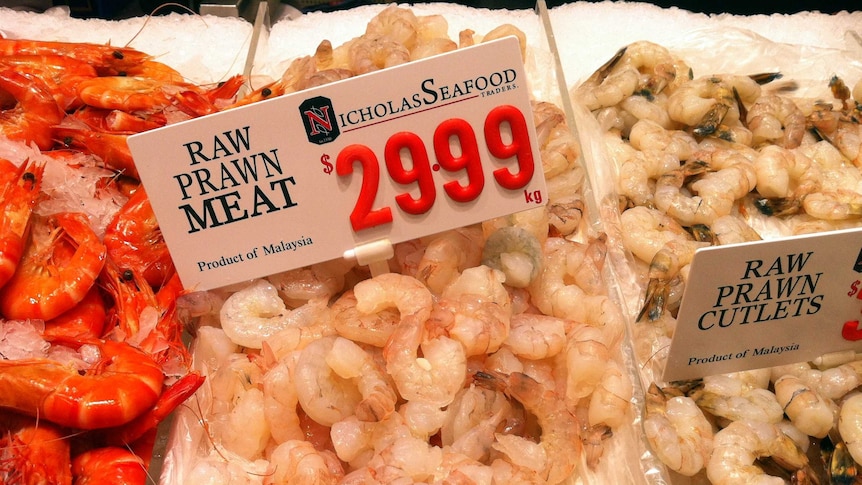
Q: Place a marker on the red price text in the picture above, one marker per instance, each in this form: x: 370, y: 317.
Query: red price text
x: 466, y: 161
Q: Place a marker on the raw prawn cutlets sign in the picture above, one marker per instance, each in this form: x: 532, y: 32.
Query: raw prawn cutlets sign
x: 392, y: 155
x: 768, y: 303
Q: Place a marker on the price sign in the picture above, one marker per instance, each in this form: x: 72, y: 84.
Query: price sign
x: 397, y: 154
x: 762, y: 304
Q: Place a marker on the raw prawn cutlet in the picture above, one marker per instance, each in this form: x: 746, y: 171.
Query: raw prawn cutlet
x: 709, y: 159
x: 486, y: 353
x: 92, y: 347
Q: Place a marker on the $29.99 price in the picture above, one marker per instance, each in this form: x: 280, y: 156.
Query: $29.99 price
x: 851, y: 331
x: 468, y: 160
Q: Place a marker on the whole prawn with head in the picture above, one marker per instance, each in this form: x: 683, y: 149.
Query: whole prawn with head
x: 17, y: 198
x: 35, y: 110
x: 123, y: 384
x: 107, y: 59
x: 60, y: 264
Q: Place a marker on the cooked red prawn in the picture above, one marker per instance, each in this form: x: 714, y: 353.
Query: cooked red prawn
x: 61, y: 74
x: 126, y: 93
x: 111, y: 148
x: 134, y: 241
x: 33, y: 452
x: 122, y: 385
x: 170, y: 398
x: 118, y: 121
x: 108, y: 60
x: 132, y: 104
x: 20, y: 189
x: 58, y: 268
x: 35, y: 110
x: 145, y: 318
x: 109, y: 465
x: 86, y: 320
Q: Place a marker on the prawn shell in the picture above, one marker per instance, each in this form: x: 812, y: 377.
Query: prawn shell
x: 45, y: 287
x: 30, y: 121
x: 134, y: 241
x: 106, y: 59
x: 86, y: 320
x: 109, y: 465
x: 124, y: 93
x: 17, y: 198
x: 61, y: 75
x: 36, y: 452
x: 120, y: 388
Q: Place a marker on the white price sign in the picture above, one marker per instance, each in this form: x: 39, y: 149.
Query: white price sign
x: 767, y: 303
x: 397, y: 154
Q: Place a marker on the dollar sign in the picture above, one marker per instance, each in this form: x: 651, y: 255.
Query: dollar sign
x: 327, y: 167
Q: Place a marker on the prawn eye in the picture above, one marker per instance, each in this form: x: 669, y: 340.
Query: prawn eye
x: 128, y: 275
x: 764, y: 206
x: 29, y: 177
x: 117, y: 55
x: 67, y: 141
x: 265, y: 92
x: 122, y: 74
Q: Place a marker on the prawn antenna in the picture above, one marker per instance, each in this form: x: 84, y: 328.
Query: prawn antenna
x: 156, y: 10
x: 655, y: 354
x: 205, y: 425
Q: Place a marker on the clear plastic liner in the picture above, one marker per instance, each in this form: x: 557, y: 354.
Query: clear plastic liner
x: 629, y: 446
x: 745, y: 52
x: 706, y: 51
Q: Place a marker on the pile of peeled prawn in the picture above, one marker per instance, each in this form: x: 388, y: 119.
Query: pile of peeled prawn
x: 716, y: 158
x: 490, y: 353
x: 91, y: 350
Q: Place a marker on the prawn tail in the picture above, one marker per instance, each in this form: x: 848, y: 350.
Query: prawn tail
x: 655, y: 301
x: 778, y: 206
x: 109, y: 465
x: 711, y: 121
x: 490, y: 380
x: 226, y: 91
x: 516, y: 385
x: 766, y: 77
x: 171, y: 398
